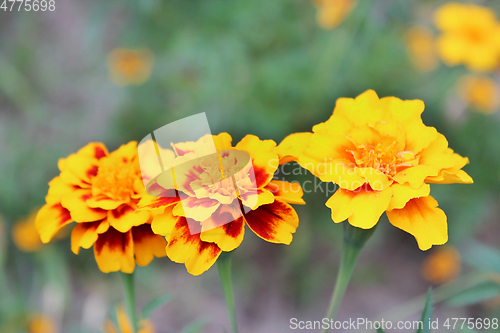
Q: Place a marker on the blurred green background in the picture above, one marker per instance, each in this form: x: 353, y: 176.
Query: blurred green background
x: 255, y: 67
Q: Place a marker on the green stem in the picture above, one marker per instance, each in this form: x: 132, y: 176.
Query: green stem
x: 128, y: 287
x: 224, y: 268
x: 354, y: 241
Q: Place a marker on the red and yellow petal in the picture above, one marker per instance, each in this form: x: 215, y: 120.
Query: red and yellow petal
x: 286, y: 191
x: 196, y: 209
x: 50, y: 219
x: 103, y: 202
x: 421, y: 218
x: 189, y: 249
x: 162, y: 198
x: 114, y: 251
x: 125, y: 217
x: 264, y: 157
x: 58, y: 188
x: 86, y: 234
x: 226, y: 228
x: 79, y: 210
x: 362, y: 207
x: 147, y: 245
x: 274, y: 223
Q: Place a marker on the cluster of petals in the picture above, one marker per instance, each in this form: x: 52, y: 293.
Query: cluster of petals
x: 204, y: 213
x: 100, y: 191
x: 383, y: 158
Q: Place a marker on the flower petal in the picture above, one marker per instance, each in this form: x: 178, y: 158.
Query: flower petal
x: 362, y: 207
x: 196, y: 209
x: 286, y: 191
x: 125, y: 217
x: 189, y: 249
x: 86, y: 234
x: 114, y: 251
x: 50, y: 219
x: 274, y: 223
x: 163, y: 224
x: 80, y: 211
x: 421, y: 218
x: 401, y: 194
x: 293, y: 146
x: 147, y: 245
x: 226, y: 228
x: 103, y: 202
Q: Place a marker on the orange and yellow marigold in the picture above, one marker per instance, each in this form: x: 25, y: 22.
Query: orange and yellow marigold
x: 100, y: 191
x: 383, y: 158
x: 208, y: 215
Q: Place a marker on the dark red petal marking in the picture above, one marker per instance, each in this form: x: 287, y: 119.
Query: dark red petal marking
x: 92, y: 172
x: 233, y: 229
x: 99, y: 152
x: 261, y: 176
x: 265, y: 219
x: 64, y: 214
x: 142, y: 232
x: 114, y: 240
x: 122, y: 210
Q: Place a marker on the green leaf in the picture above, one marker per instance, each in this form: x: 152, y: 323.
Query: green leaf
x: 426, y: 314
x: 483, y: 257
x: 156, y: 303
x: 195, y: 327
x: 379, y: 330
x: 482, y: 292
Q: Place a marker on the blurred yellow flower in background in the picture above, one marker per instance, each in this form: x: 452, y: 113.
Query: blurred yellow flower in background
x: 421, y: 48
x: 470, y: 36
x: 129, y: 66
x: 479, y: 92
x: 41, y: 323
x: 124, y: 325
x: 383, y: 158
x: 25, y: 235
x: 442, y: 265
x: 332, y: 12
x: 100, y: 191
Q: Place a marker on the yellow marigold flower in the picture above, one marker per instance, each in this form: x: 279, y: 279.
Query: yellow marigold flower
x: 470, y: 36
x: 383, y: 158
x: 442, y: 265
x: 124, y: 325
x: 42, y: 324
x: 130, y: 67
x: 480, y: 92
x: 332, y: 12
x: 194, y: 221
x: 25, y: 235
x: 421, y: 47
x: 100, y: 191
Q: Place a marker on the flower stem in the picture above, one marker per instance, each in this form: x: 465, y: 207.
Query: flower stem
x: 224, y: 268
x: 354, y: 241
x: 128, y: 287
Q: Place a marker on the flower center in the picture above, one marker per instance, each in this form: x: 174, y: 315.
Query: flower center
x: 115, y: 178
x: 383, y: 157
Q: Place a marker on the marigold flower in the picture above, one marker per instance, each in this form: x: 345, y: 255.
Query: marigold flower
x: 480, y: 92
x: 383, y: 158
x: 124, y: 325
x: 332, y: 12
x: 100, y: 191
x: 471, y: 36
x: 130, y: 67
x: 421, y: 48
x: 442, y: 265
x: 195, y: 222
x: 25, y: 235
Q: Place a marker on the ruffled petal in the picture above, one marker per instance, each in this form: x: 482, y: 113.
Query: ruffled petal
x: 226, y: 228
x: 401, y: 194
x: 50, y: 219
x: 286, y: 191
x: 274, y: 223
x: 114, y: 251
x: 80, y: 211
x: 196, y: 209
x: 147, y: 245
x: 86, y: 234
x: 293, y: 146
x: 421, y: 218
x: 125, y: 217
x: 189, y: 249
x: 163, y: 224
x: 362, y: 207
